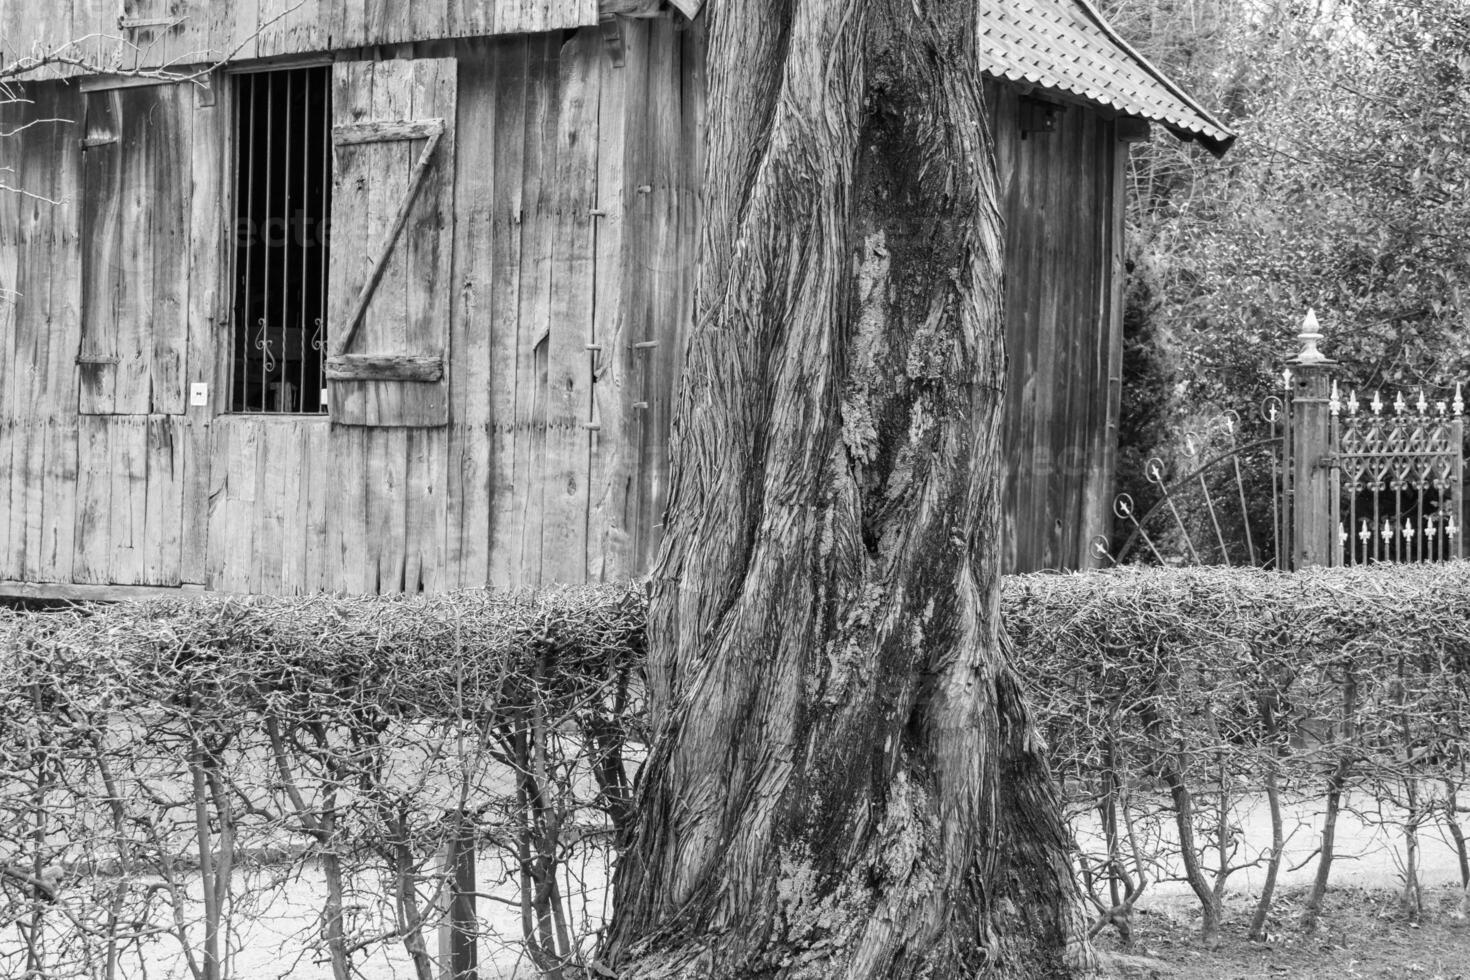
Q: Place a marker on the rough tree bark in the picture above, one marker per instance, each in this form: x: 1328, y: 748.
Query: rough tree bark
x: 844, y: 782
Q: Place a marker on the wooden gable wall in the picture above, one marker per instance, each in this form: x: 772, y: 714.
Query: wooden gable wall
x: 1063, y: 196
x: 567, y: 250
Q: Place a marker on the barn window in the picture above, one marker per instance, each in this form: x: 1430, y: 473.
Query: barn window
x: 283, y: 189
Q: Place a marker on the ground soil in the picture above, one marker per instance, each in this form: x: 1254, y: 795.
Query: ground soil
x: 1363, y: 933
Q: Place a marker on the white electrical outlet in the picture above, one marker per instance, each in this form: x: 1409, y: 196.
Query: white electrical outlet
x: 198, y: 393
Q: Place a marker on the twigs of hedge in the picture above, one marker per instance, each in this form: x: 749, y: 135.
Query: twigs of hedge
x: 1196, y: 687
x: 147, y: 750
x: 153, y: 748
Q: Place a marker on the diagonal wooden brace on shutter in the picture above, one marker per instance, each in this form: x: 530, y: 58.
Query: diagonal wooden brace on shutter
x: 355, y: 134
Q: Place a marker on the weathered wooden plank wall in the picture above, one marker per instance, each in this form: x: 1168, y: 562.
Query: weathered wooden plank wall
x: 156, y: 33
x: 569, y: 260
x: 574, y: 209
x: 1063, y: 331
x: 40, y: 286
x: 575, y: 226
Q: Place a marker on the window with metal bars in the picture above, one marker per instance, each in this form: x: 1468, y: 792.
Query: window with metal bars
x: 283, y: 191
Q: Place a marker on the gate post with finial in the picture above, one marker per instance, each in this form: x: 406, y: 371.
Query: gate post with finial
x: 1312, y: 460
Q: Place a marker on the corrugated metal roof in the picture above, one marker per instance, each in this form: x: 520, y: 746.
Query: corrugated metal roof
x: 1066, y: 46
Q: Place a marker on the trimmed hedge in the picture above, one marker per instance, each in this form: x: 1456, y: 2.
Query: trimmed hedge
x: 1184, y: 661
x: 225, y: 746
x: 1182, y: 696
x: 149, y: 747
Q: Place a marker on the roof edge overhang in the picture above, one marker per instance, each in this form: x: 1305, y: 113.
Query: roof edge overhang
x: 1218, y: 145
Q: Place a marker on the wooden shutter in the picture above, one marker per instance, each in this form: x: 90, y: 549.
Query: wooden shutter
x: 392, y: 228
x: 136, y: 185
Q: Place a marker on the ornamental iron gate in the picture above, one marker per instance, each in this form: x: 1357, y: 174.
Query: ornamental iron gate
x: 1348, y: 482
x: 1399, y: 478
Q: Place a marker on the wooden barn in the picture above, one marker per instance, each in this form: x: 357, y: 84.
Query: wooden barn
x: 380, y: 296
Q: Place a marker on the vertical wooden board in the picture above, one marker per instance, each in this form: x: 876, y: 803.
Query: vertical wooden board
x: 12, y: 523
x: 65, y: 263
x: 317, y: 494
x: 216, y: 556
x: 11, y: 148
x: 29, y: 344
x: 347, y: 524
x: 565, y: 499
x: 8, y: 486
x: 346, y: 22
x: 634, y: 283
x: 234, y: 29
x: 384, y: 325
x: 1037, y: 167
x: 428, y: 19
x: 163, y: 509
x: 1118, y: 207
x: 143, y: 122
x: 241, y: 462
x: 101, y: 225
x: 428, y: 245
x: 669, y: 267
x: 291, y: 467
x: 1015, y: 161
x: 609, y: 552
x: 386, y: 467
x: 183, y: 40
x: 33, y: 476
x: 467, y: 490
x: 387, y: 21
x: 1050, y: 399
x: 206, y: 340
x: 59, y: 536
x: 508, y: 424
x: 1099, y: 312
x: 471, y: 18
x: 33, y: 29
x: 93, y: 558
x: 291, y: 26
x: 128, y: 520
x: 1079, y: 325
x: 39, y: 173
x: 1082, y: 381
x: 425, y: 510
x: 277, y: 478
x: 1060, y: 292
x: 93, y: 29
x: 197, y: 496
x: 170, y: 164
x: 539, y: 165
x: 352, y: 102
x: 207, y: 226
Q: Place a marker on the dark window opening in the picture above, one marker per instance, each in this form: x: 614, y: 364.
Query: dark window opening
x: 283, y: 195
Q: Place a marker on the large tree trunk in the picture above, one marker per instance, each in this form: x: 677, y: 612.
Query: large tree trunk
x: 844, y: 782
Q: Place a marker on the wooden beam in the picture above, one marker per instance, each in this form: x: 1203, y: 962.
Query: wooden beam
x: 175, y: 75
x: 385, y: 367
x: 94, y: 593
x: 386, y: 131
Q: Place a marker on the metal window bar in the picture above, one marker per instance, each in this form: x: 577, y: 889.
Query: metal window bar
x: 282, y: 200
